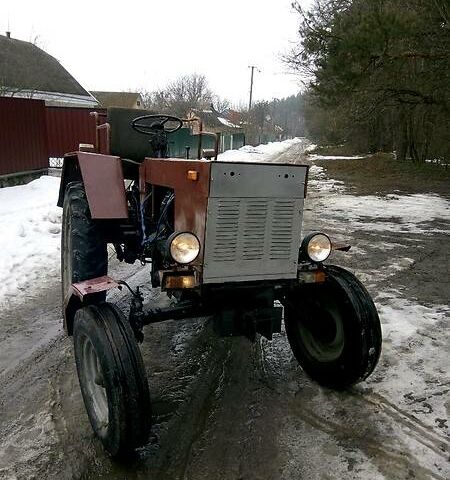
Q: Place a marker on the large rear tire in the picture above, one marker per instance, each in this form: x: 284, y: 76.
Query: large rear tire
x: 83, y: 250
x: 112, y: 378
x: 334, y: 330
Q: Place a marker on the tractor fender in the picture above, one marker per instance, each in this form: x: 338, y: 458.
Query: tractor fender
x: 103, y: 181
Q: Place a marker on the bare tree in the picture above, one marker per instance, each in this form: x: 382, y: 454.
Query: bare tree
x: 220, y: 104
x: 181, y: 95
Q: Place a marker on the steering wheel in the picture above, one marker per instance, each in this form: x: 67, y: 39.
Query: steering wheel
x: 147, y: 123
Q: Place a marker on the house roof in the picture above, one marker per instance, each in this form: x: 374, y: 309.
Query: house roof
x: 24, y: 66
x: 234, y: 116
x: 117, y: 99
x: 213, y: 120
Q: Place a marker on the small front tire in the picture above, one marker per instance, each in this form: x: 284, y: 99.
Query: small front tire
x: 112, y: 378
x: 333, y: 329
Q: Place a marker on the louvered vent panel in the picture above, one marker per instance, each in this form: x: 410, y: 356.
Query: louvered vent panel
x: 254, y: 229
x: 252, y: 238
x: 281, y: 230
x: 227, y: 223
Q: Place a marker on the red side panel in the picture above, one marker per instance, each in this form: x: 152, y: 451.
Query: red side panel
x: 191, y: 196
x: 104, y: 184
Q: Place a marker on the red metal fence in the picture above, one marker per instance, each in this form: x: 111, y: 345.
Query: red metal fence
x: 31, y: 133
x: 68, y: 127
x: 23, y: 137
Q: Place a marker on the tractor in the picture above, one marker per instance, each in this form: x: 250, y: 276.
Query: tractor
x: 224, y: 242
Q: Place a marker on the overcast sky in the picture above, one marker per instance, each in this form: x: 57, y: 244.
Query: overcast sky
x: 112, y: 45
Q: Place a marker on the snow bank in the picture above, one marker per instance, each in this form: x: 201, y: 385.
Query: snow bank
x: 30, y: 226
x: 334, y: 157
x: 403, y: 318
x: 261, y: 153
x: 394, y: 213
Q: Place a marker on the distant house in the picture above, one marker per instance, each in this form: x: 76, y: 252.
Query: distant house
x: 261, y: 128
x: 231, y: 135
x: 26, y: 71
x: 238, y: 118
x: 119, y: 99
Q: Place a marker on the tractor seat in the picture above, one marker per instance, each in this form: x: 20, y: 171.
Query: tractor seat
x: 124, y: 141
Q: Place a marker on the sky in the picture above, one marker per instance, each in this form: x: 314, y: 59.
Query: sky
x: 143, y: 45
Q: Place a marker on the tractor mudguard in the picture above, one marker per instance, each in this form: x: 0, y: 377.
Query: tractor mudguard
x: 103, y: 181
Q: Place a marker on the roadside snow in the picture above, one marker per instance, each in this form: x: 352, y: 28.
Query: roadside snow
x: 399, y: 417
x: 30, y: 226
x: 403, y: 318
x: 261, y: 153
x: 393, y: 213
x: 335, y: 157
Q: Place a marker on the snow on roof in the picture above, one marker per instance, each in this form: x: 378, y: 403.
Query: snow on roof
x: 227, y: 122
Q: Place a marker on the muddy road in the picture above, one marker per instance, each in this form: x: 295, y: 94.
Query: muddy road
x: 231, y: 409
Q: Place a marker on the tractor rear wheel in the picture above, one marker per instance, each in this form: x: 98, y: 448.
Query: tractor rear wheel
x: 112, y: 378
x: 83, y: 250
x: 334, y: 330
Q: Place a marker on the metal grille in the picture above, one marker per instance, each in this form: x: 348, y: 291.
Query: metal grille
x: 281, y: 230
x: 253, y: 225
x: 252, y: 237
x: 254, y: 229
x: 227, y: 231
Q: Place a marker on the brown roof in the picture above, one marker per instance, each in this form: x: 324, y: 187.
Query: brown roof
x: 25, y: 66
x: 117, y: 99
x: 215, y: 121
x: 238, y: 118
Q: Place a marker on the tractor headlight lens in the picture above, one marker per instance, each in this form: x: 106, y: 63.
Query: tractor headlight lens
x: 184, y: 247
x: 317, y: 246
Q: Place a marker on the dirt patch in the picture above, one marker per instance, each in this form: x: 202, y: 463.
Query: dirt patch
x: 382, y: 174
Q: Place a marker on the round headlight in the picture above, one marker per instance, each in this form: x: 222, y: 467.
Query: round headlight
x: 317, y: 246
x: 184, y: 247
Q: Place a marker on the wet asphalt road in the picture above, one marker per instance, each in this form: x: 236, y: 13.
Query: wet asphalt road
x: 231, y: 409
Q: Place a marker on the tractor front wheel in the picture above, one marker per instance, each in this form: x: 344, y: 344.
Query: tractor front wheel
x: 112, y: 378
x: 83, y: 250
x: 333, y: 329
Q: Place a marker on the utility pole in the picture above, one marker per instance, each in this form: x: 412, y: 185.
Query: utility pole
x: 251, y: 86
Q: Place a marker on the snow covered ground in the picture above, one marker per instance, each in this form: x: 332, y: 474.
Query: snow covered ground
x: 394, y: 236
x: 395, y: 213
x: 261, y: 153
x: 315, y: 157
x: 30, y: 226
x: 252, y: 413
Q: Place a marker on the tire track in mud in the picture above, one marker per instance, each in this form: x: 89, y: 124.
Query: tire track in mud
x: 49, y: 396
x: 181, y: 406
x: 421, y: 432
x: 27, y: 429
x: 392, y: 438
x: 400, y: 460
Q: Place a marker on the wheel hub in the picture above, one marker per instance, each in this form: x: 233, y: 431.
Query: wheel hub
x: 95, y: 383
x: 323, y: 335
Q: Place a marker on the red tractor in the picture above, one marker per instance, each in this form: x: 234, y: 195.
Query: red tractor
x: 224, y: 241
